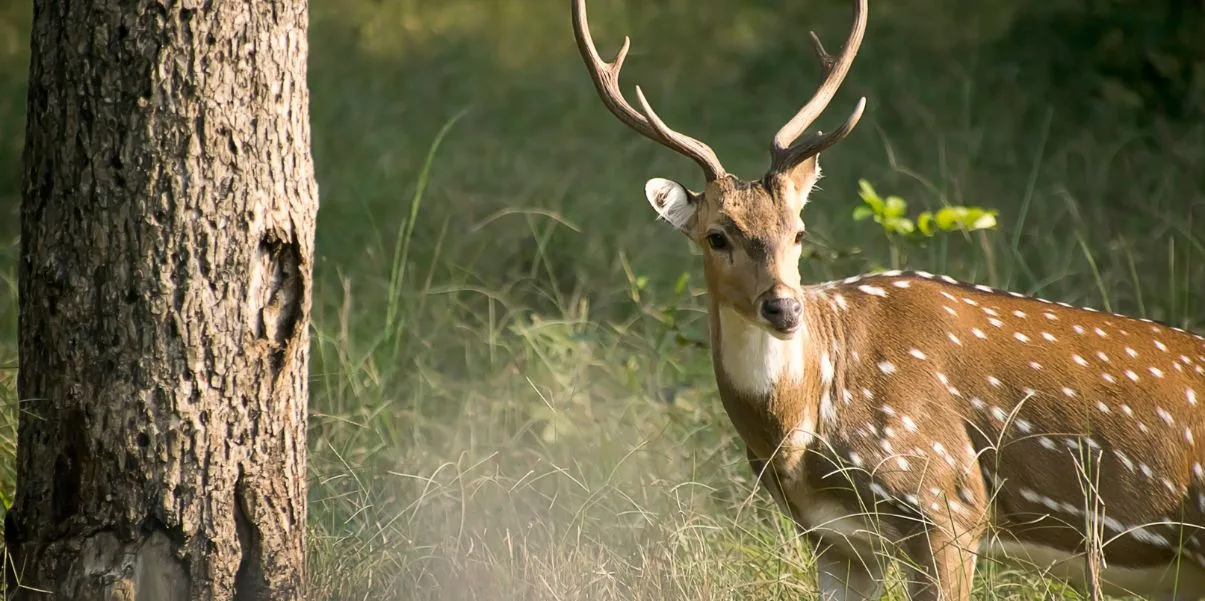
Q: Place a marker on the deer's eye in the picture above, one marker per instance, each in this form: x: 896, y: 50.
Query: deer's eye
x: 799, y: 237
x: 717, y: 241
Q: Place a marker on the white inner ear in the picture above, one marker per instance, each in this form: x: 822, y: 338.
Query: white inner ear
x: 670, y: 200
x: 799, y: 190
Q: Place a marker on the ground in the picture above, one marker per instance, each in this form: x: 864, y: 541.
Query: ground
x: 511, y: 393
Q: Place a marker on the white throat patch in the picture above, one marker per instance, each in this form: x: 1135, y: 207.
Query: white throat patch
x: 752, y: 359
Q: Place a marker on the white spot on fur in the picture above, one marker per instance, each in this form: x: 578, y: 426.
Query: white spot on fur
x: 872, y: 290
x: 1125, y: 460
x: 828, y: 409
x: 826, y: 369
x: 1164, y: 415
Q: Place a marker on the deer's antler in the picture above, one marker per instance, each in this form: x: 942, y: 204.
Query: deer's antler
x: 606, y: 80
x: 785, y: 152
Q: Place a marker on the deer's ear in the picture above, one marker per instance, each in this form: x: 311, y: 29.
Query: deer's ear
x: 673, y: 202
x: 798, y: 181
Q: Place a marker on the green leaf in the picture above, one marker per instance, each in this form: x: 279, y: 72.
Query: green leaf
x: 986, y: 221
x: 866, y: 190
x: 896, y: 206
x: 861, y: 213
x: 925, y: 223
x: 948, y: 217
x: 870, y: 197
x: 680, y: 285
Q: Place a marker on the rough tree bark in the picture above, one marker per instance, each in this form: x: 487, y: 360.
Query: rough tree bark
x: 165, y: 277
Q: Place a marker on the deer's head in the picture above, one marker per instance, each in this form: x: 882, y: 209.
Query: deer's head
x: 749, y: 231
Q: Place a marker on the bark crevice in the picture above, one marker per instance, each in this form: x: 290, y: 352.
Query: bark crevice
x: 249, y: 584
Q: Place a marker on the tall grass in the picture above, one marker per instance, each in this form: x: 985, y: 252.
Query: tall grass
x: 511, y: 394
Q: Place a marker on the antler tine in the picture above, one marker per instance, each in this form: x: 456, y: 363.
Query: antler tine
x: 606, y: 81
x: 784, y: 152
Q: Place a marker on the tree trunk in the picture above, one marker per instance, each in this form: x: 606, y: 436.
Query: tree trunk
x: 165, y: 278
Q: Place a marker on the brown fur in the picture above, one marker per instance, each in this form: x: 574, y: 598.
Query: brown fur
x: 940, y: 392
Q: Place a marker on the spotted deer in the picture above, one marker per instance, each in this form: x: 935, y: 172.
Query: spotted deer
x: 909, y: 416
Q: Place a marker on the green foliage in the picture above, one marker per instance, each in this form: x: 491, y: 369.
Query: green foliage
x: 891, y: 214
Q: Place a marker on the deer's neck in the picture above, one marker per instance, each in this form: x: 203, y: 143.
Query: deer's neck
x: 753, y: 362
x: 774, y: 390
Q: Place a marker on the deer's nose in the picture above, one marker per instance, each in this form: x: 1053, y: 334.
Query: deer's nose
x: 782, y: 312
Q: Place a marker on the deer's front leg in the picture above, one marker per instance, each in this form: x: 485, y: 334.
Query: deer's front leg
x: 764, y: 474
x: 840, y: 576
x: 843, y: 577
x: 940, y: 563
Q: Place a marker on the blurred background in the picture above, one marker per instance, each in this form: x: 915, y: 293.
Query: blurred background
x: 512, y: 396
